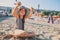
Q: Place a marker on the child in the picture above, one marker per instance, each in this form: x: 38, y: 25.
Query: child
x: 21, y: 15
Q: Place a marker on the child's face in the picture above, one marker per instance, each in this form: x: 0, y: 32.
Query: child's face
x: 22, y: 12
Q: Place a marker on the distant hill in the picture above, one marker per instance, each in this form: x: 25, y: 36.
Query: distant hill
x: 8, y: 9
x: 44, y: 11
x: 3, y: 7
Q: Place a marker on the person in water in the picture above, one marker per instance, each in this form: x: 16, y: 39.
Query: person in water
x: 20, y: 15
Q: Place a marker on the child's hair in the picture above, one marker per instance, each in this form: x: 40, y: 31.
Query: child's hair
x: 22, y: 7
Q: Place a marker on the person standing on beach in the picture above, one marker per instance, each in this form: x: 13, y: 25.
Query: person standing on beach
x: 5, y: 13
x: 21, y: 15
x: 50, y: 18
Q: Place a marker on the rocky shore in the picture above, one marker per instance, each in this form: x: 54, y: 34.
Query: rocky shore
x: 43, y: 30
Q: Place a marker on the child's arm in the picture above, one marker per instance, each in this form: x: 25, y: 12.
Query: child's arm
x: 30, y: 14
x: 15, y: 10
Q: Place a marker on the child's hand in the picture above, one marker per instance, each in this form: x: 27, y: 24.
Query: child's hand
x: 19, y: 4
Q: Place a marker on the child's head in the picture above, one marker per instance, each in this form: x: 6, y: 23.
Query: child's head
x: 22, y: 11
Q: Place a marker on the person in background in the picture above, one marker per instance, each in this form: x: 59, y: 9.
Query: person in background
x: 5, y: 13
x: 21, y: 15
x: 50, y: 18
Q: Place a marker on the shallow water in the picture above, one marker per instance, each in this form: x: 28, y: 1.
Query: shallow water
x: 4, y: 18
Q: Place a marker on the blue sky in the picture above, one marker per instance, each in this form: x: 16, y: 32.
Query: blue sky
x: 44, y: 4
